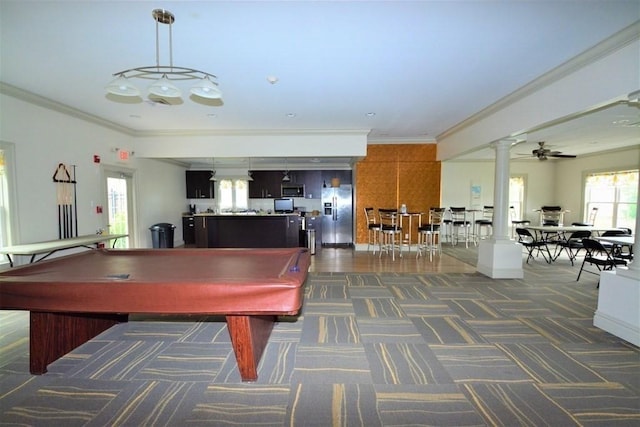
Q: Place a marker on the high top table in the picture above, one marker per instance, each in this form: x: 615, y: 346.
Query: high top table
x: 412, y: 230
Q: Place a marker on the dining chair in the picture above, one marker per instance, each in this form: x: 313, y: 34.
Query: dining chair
x: 531, y: 244
x: 591, y: 221
x: 373, y: 228
x: 597, y: 254
x: 429, y: 237
x: 551, y: 215
x: 572, y: 245
x: 390, y: 232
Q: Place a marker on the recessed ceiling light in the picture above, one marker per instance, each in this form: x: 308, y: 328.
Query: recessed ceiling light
x: 371, y: 114
x: 291, y: 115
x: 272, y: 79
x: 134, y: 116
x: 212, y: 115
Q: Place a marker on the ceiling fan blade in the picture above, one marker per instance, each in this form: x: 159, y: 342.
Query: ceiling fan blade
x: 566, y: 156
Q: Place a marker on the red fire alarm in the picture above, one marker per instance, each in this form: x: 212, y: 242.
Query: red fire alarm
x: 96, y: 158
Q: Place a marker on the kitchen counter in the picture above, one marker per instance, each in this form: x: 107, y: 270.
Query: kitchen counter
x: 250, y: 214
x: 247, y: 230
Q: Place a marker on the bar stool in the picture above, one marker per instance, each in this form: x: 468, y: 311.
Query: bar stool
x: 516, y: 223
x: 446, y: 231
x: 373, y: 228
x: 390, y: 232
x: 485, y: 222
x: 460, y: 225
x: 429, y: 238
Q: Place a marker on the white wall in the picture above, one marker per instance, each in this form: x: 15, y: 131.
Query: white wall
x: 161, y: 197
x: 44, y: 138
x: 554, y: 182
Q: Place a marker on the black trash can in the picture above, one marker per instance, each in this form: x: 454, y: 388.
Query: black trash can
x: 162, y: 235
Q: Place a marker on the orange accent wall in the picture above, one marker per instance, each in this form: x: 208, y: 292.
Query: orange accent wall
x: 393, y: 174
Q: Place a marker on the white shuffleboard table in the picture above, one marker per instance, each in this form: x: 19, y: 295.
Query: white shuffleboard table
x: 44, y: 249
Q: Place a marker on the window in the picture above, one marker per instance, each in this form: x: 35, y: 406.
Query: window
x: 615, y: 194
x: 120, y: 205
x: 233, y: 195
x: 516, y: 195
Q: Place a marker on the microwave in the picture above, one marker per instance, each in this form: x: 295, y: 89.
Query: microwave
x: 292, y: 190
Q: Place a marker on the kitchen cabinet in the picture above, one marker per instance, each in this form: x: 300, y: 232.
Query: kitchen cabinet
x: 265, y: 184
x: 343, y: 175
x: 188, y: 231
x: 312, y: 180
x: 201, y: 230
x: 198, y: 185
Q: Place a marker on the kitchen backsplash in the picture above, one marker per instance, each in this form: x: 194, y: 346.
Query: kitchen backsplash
x: 266, y: 205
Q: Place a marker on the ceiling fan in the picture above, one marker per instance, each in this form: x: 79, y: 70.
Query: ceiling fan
x: 543, y: 153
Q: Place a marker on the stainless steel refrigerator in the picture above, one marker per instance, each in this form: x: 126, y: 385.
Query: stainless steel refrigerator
x: 337, y: 216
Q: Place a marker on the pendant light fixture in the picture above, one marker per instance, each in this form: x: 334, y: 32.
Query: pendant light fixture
x: 164, y: 75
x: 286, y: 177
x: 249, y: 173
x: 213, y: 170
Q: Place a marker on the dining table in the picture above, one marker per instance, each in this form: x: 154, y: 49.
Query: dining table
x: 552, y: 233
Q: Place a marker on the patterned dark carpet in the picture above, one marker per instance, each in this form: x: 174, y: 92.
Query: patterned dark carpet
x: 368, y: 350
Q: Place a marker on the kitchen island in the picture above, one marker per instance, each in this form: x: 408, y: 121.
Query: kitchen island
x: 248, y: 230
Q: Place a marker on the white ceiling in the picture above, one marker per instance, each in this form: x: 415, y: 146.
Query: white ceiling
x: 420, y: 67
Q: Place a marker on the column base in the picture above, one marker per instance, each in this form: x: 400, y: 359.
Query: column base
x: 500, y: 259
x: 619, y: 306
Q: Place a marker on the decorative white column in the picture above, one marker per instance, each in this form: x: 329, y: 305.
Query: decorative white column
x: 619, y: 296
x: 500, y: 257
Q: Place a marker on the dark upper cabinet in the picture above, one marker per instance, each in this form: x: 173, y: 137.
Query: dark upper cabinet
x: 312, y: 180
x: 343, y: 175
x: 265, y: 184
x: 198, y: 185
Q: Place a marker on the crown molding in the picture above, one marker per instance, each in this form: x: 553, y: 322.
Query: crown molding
x: 50, y: 104
x: 41, y: 101
x: 251, y: 132
x: 405, y: 140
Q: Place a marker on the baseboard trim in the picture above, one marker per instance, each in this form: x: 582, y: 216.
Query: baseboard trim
x: 617, y: 327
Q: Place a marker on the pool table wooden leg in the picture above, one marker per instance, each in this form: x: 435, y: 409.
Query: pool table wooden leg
x: 52, y: 335
x: 249, y: 336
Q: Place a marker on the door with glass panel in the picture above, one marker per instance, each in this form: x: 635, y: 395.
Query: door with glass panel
x: 119, y: 188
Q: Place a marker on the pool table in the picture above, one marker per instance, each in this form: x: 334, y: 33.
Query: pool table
x: 72, y: 299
